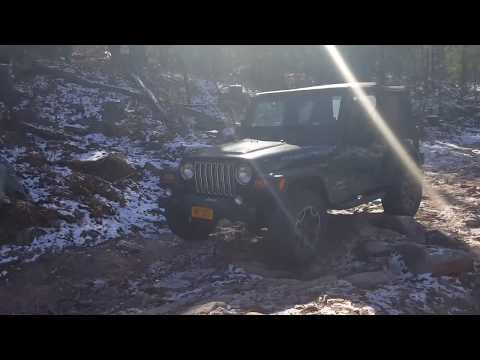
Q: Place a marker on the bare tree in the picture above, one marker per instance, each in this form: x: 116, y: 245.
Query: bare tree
x: 463, y: 69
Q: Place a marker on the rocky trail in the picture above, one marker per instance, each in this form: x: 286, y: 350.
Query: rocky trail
x: 88, y: 236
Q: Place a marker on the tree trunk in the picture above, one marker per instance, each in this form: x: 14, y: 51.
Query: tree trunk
x: 475, y: 84
x: 415, y: 70
x: 138, y: 57
x: 463, y: 73
x: 380, y: 65
x: 434, y: 66
x: 153, y: 99
x: 116, y: 56
x: 7, y: 91
x: 183, y: 67
x: 426, y: 65
x: 428, y: 70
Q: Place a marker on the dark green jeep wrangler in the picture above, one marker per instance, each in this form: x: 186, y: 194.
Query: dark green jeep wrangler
x: 302, y: 152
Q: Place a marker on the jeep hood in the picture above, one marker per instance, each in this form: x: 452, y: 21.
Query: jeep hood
x: 246, y: 148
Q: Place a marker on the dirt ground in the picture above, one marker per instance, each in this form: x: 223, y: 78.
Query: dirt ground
x: 165, y: 275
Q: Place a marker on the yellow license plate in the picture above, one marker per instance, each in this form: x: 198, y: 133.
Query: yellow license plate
x: 199, y: 212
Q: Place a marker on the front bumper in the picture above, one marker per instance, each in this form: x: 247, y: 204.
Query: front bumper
x: 223, y: 208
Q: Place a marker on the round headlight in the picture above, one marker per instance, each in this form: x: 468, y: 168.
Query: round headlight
x: 244, y: 174
x: 186, y: 170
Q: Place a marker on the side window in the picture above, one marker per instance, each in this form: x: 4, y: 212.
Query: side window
x: 394, y: 110
x: 326, y: 110
x: 305, y: 112
x: 360, y: 130
x: 269, y: 113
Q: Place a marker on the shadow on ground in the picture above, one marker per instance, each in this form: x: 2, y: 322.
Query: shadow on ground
x: 168, y: 276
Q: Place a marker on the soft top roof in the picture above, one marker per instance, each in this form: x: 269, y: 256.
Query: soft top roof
x: 331, y: 87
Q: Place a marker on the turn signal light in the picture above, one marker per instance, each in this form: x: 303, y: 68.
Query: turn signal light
x: 261, y: 184
x: 168, y: 178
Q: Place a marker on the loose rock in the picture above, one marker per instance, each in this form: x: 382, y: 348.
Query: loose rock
x: 369, y: 280
x: 374, y: 248
x: 9, y: 184
x: 113, y: 111
x: 19, y: 218
x: 449, y: 262
x: 473, y: 222
x: 414, y: 256
x: 111, y: 167
x: 205, y: 309
x: 405, y: 225
x: 86, y: 186
x: 441, y: 238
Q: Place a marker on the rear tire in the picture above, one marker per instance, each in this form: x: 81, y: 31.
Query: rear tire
x: 403, y: 198
x: 181, y: 224
x: 293, y: 238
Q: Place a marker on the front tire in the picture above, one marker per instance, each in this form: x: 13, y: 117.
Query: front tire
x: 295, y: 231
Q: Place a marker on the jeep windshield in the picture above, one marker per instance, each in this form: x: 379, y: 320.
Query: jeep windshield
x: 285, y: 116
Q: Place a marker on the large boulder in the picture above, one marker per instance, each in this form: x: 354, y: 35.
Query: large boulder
x: 438, y: 261
x: 204, y: 309
x: 85, y: 186
x: 404, y: 225
x: 110, y: 167
x: 20, y: 220
x: 371, y: 279
x: 449, y: 262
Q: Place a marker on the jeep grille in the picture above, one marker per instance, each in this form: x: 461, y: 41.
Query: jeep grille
x: 215, y: 178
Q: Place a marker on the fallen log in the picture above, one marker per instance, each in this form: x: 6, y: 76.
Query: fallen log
x: 44, y: 133
x: 150, y: 95
x: 42, y: 69
x: 203, y: 121
x: 162, y: 95
x: 147, y: 94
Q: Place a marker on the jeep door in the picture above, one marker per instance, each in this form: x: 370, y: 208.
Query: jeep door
x: 318, y: 133
x: 361, y: 152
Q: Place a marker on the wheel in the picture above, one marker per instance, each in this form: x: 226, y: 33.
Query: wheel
x: 403, y: 198
x: 181, y: 225
x: 295, y: 231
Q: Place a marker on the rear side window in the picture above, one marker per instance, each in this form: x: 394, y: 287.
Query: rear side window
x: 396, y: 111
x: 318, y: 116
x: 360, y: 129
x: 305, y: 111
x: 319, y: 110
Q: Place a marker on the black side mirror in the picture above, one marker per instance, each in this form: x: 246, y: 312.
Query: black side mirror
x: 234, y: 131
